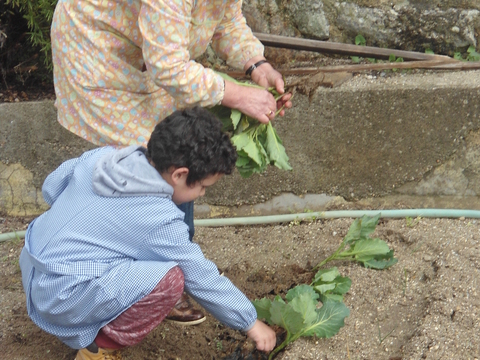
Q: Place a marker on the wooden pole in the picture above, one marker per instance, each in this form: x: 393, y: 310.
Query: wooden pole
x: 344, y: 49
x: 436, y: 65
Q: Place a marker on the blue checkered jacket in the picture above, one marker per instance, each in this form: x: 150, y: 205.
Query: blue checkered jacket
x: 111, y: 234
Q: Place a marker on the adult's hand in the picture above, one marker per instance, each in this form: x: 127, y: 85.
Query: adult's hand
x: 256, y: 103
x: 265, y: 75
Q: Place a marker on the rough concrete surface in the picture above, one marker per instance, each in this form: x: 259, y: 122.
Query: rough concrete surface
x: 411, y: 137
x: 445, y: 27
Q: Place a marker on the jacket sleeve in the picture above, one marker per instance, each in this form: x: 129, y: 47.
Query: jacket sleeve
x: 215, y: 293
x: 165, y: 30
x: 59, y: 179
x: 233, y: 40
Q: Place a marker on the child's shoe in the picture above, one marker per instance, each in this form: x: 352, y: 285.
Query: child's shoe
x: 184, y: 313
x: 101, y: 354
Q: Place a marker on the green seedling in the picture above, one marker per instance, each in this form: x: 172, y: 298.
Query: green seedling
x: 360, y: 41
x: 393, y: 58
x: 358, y: 246
x: 381, y: 338
x: 410, y: 222
x: 258, y: 145
x: 299, y: 315
x: 472, y: 55
x: 330, y: 285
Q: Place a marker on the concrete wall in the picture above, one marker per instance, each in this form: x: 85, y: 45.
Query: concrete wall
x: 407, y: 140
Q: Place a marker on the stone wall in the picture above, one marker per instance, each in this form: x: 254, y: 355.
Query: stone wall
x: 442, y: 26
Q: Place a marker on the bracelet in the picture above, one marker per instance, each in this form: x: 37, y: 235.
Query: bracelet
x: 254, y: 66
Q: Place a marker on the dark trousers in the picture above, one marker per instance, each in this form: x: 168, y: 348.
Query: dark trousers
x: 187, y: 208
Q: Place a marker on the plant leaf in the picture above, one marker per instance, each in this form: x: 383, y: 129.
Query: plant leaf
x: 244, y: 142
x: 354, y: 232
x: 381, y: 262
x: 360, y: 40
x: 368, y: 225
x: 301, y: 289
x: 366, y: 248
x: 284, y: 315
x: 326, y: 275
x: 330, y: 297
x: 242, y: 161
x: 343, y: 284
x: 323, y: 288
x: 306, y: 306
x: 275, y: 150
x: 263, y: 309
x: 223, y: 113
x: 235, y: 116
x: 330, y: 318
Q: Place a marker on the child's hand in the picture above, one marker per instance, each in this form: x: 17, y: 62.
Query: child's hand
x: 263, y: 335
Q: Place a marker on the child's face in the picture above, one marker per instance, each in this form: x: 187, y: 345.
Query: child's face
x: 183, y: 193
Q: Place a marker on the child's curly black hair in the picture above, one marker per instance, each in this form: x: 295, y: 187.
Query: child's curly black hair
x: 192, y: 138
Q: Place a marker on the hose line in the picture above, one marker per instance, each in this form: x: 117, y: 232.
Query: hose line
x: 334, y: 214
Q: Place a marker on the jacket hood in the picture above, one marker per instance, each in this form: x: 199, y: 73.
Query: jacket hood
x: 127, y: 172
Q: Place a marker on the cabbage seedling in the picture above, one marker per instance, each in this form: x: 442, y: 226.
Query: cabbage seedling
x: 360, y: 247
x: 258, y: 145
x: 299, y: 315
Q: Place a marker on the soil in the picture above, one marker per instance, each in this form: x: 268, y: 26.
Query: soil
x: 424, y: 307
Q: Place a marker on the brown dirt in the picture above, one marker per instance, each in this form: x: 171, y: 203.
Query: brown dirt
x: 425, y: 307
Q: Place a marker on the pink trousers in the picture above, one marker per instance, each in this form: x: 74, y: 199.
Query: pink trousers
x: 134, y: 324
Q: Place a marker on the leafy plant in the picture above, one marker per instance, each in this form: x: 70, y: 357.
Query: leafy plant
x: 39, y: 15
x: 410, y: 222
x: 258, y: 145
x: 299, y: 315
x: 330, y: 285
x: 393, y: 58
x: 360, y: 247
x: 359, y: 41
x: 472, y: 55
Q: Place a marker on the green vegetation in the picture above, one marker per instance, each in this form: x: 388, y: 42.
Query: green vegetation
x: 300, y: 317
x: 38, y: 15
x: 358, y: 246
x: 300, y: 314
x: 472, y: 55
x: 360, y: 41
x: 25, y: 56
x: 258, y: 145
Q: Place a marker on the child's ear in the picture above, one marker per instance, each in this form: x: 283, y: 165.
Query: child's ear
x: 179, y: 175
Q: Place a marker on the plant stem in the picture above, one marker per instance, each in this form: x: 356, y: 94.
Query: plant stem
x: 279, y: 347
x: 331, y: 257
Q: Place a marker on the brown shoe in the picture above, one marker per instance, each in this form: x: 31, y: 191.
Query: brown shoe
x: 184, y: 313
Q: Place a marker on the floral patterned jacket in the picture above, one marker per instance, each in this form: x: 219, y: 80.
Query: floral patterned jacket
x: 101, y: 46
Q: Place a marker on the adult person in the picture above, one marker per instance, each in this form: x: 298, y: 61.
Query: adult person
x: 102, y: 47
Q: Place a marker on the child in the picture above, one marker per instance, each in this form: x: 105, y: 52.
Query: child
x: 109, y: 260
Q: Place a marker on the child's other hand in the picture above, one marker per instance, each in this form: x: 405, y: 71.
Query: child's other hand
x: 263, y: 335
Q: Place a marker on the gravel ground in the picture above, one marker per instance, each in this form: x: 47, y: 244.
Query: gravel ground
x: 424, y: 307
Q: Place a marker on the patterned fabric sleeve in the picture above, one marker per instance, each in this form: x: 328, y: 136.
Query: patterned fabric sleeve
x: 233, y: 39
x: 164, y: 25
